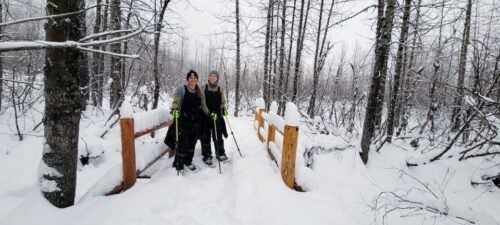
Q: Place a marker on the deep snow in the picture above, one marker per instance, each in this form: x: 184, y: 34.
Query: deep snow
x: 340, y: 189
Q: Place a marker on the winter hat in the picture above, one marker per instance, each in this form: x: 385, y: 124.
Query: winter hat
x: 216, y: 74
x: 191, y: 72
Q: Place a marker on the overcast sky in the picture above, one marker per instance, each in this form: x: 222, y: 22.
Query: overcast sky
x: 200, y: 20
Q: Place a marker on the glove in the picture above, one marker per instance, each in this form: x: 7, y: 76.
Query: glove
x: 224, y: 112
x: 175, y: 113
x: 213, y: 115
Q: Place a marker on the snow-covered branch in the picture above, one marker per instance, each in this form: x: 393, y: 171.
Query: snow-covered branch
x: 34, y: 45
x: 47, y: 17
x: 111, y: 32
x: 109, y: 53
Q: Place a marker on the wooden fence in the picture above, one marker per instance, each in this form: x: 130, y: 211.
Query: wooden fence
x: 289, y: 147
x: 128, y: 136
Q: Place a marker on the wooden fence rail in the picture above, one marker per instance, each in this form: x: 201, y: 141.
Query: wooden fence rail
x: 128, y: 136
x: 289, y: 147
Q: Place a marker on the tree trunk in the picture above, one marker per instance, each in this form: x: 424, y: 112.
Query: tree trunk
x: 300, y: 45
x: 62, y: 106
x: 265, y: 92
x: 282, y: 55
x: 319, y: 57
x: 156, y: 75
x: 435, y: 77
x: 406, y: 104
x: 123, y: 64
x: 312, y: 100
x: 275, y: 67
x: 237, y: 88
x: 116, y: 92
x: 378, y: 78
x: 1, y: 60
x: 458, y: 102
x: 398, y: 72
x: 354, y: 88
x: 84, y: 63
x: 100, y: 79
x: 96, y: 57
x: 271, y: 59
x: 289, y: 58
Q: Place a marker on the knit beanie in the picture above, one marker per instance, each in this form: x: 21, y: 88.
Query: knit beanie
x: 216, y: 74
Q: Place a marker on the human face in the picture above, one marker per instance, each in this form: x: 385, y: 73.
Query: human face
x: 212, y: 78
x: 192, y: 81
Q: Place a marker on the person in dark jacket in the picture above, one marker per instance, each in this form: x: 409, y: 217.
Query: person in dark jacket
x: 189, y: 104
x: 215, y: 101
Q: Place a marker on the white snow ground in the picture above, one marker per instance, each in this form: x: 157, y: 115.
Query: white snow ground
x: 341, y: 190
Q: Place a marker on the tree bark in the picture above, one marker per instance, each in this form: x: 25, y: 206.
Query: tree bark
x: 300, y: 45
x: 265, y: 86
x: 282, y: 54
x: 156, y: 75
x: 100, y: 79
x: 399, y: 70
x: 354, y: 88
x: 407, y: 103
x: 435, y: 77
x: 62, y: 106
x: 312, y: 101
x: 96, y: 57
x: 378, y: 78
x: 84, y: 63
x: 1, y: 59
x: 275, y: 70
x: 289, y: 59
x: 116, y: 92
x: 237, y: 88
x: 271, y: 59
x: 458, y: 102
x: 320, y: 57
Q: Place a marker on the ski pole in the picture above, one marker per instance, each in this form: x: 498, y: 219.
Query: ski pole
x: 232, y: 134
x: 216, y: 142
x: 176, y: 116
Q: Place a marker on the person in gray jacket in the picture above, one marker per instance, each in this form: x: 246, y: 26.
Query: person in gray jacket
x: 216, y: 104
x: 189, y: 105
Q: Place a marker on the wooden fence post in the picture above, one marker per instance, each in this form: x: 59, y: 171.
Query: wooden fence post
x: 290, y: 138
x: 261, y: 124
x: 271, y: 136
x: 128, y: 152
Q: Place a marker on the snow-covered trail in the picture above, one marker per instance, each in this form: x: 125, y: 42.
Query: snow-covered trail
x: 249, y: 191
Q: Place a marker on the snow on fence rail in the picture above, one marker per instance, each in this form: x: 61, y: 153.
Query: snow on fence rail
x: 132, y: 126
x: 289, y: 129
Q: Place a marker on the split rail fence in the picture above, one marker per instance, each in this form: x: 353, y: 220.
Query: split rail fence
x: 288, y: 128
x: 133, y: 126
